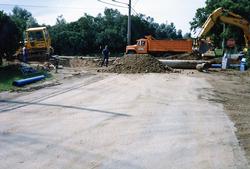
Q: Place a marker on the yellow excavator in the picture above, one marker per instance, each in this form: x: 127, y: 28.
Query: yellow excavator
x: 227, y: 17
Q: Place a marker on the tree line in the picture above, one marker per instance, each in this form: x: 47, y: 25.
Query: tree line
x: 87, y: 35
x: 12, y: 28
x: 92, y: 33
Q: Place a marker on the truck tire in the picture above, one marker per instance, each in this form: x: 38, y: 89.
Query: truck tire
x: 19, y: 57
x: 131, y: 52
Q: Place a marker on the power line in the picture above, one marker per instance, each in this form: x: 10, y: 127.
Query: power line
x: 41, y: 6
x: 134, y: 11
x: 129, y: 15
x: 120, y: 2
x: 136, y: 1
x: 111, y: 4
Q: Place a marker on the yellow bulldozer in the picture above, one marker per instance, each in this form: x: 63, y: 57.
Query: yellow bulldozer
x: 38, y: 44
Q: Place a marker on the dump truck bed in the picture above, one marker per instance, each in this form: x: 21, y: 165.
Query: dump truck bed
x: 170, y: 45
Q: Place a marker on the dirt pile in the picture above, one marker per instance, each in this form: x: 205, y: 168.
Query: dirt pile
x: 84, y: 62
x: 185, y: 56
x: 138, y: 64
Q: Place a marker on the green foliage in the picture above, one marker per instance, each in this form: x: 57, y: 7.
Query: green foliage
x: 187, y: 36
x: 88, y: 34
x: 69, y: 43
x: 60, y: 20
x: 8, y: 75
x: 12, y: 72
x: 11, y: 29
x: 9, y: 35
x: 240, y: 7
x: 168, y: 31
x: 23, y: 18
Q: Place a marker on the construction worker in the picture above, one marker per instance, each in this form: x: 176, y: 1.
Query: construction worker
x: 246, y: 55
x: 25, y: 54
x: 245, y: 51
x: 105, y: 53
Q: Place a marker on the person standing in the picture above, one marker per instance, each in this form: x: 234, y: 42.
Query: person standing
x: 105, y: 53
x: 25, y: 54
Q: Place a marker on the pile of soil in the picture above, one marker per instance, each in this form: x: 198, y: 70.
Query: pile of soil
x: 138, y: 64
x: 84, y: 62
x: 185, y: 56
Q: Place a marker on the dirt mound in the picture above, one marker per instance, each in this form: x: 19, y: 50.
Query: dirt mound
x: 185, y: 56
x: 84, y: 62
x: 138, y: 64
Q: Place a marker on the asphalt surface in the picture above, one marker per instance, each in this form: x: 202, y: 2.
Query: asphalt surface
x: 147, y: 121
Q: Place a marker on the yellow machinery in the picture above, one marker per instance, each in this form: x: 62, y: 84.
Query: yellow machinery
x: 38, y: 43
x: 227, y: 17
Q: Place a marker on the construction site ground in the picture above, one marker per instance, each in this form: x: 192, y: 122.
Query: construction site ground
x: 90, y: 119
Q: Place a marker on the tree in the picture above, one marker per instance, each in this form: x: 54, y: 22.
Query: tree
x: 187, y: 36
x: 179, y: 34
x: 31, y: 22
x: 167, y: 31
x: 88, y: 33
x: 241, y: 7
x: 9, y: 35
x: 23, y: 18
x: 60, y: 20
x: 69, y: 43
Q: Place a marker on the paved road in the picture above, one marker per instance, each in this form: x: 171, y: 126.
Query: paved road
x: 148, y: 121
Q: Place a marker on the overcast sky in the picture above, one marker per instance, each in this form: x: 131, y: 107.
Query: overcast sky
x: 180, y: 12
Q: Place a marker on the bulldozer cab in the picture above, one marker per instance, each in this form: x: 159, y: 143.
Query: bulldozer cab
x: 37, y: 38
x: 38, y: 44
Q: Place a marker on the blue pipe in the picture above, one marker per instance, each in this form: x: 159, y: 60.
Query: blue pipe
x: 230, y: 66
x: 216, y: 66
x: 234, y: 65
x: 23, y: 82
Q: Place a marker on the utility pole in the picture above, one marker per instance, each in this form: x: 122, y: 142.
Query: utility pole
x: 129, y: 23
x: 223, y: 41
x: 129, y: 16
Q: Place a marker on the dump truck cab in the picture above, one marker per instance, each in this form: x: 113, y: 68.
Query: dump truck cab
x: 141, y: 47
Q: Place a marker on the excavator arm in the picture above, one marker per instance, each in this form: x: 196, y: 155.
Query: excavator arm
x: 227, y: 17
x: 210, y: 22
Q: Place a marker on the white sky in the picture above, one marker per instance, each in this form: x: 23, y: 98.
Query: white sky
x: 180, y: 12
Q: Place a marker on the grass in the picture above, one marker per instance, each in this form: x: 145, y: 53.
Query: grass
x: 13, y: 72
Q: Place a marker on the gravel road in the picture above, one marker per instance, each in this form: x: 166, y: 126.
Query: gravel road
x: 145, y: 121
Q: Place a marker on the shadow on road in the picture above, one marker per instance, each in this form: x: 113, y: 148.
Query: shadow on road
x: 23, y: 104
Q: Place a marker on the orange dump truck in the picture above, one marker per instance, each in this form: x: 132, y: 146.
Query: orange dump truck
x: 153, y: 46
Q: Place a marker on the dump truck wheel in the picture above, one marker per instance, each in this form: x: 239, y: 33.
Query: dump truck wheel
x: 47, y: 57
x: 131, y: 52
x: 19, y: 57
x: 166, y: 55
x: 51, y: 51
